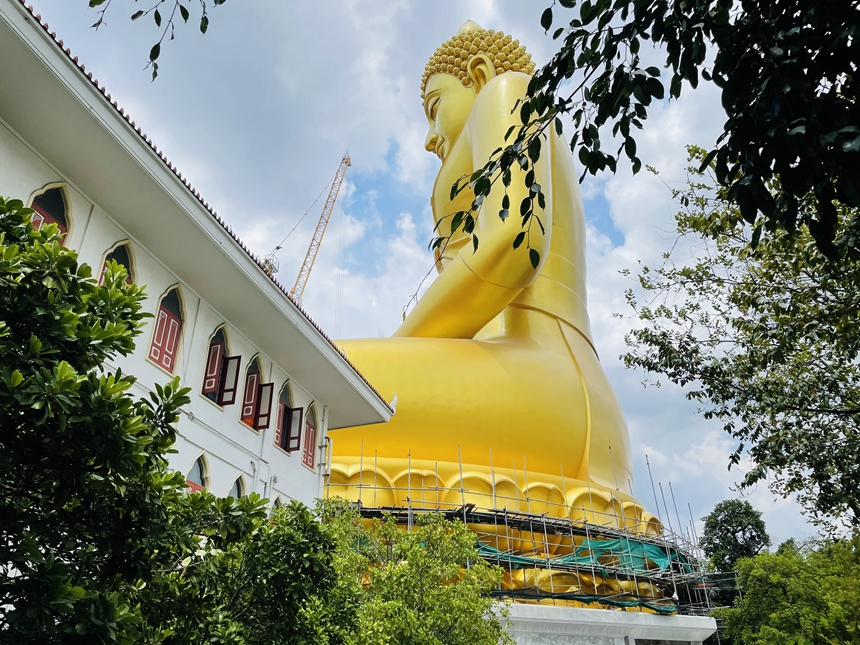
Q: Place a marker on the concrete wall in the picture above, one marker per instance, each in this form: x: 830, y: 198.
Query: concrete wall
x: 549, y: 625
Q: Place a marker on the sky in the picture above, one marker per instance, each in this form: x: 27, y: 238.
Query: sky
x: 258, y: 112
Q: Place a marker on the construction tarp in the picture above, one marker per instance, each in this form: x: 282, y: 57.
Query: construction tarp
x: 631, y: 556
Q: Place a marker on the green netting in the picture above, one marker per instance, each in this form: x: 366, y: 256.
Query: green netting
x: 633, y: 556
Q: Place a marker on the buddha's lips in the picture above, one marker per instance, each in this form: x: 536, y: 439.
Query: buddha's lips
x: 440, y: 149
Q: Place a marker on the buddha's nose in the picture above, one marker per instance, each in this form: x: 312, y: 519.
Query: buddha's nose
x: 431, y: 140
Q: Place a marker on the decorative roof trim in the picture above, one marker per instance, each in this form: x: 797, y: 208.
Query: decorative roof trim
x: 125, y: 115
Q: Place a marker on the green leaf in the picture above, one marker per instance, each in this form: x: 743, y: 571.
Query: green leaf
x: 474, y: 243
x: 157, y: 17
x: 183, y: 11
x: 525, y: 112
x: 534, y: 257
x: 204, y: 24
x: 154, y: 52
x: 518, y: 240
x: 136, y: 15
x: 546, y: 19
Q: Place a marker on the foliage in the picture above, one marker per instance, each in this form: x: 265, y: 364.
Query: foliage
x: 158, y: 10
x: 426, y: 585
x: 766, y: 341
x: 786, y: 73
x: 99, y: 540
x: 798, y: 597
x: 733, y: 530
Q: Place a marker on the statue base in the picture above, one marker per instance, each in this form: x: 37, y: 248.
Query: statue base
x: 444, y: 485
x: 543, y: 624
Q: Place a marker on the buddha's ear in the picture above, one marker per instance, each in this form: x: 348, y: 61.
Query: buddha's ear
x: 480, y: 70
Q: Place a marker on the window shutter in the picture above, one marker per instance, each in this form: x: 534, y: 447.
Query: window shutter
x: 293, y: 429
x: 212, y: 377
x: 229, y: 379
x: 168, y: 356
x: 158, y: 336
x: 165, y: 340
x: 279, y: 426
x: 249, y: 403
x: 44, y: 217
x: 309, y: 452
x: 264, y: 406
x: 195, y: 488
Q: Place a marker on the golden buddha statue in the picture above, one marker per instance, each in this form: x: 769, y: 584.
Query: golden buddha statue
x: 502, y: 401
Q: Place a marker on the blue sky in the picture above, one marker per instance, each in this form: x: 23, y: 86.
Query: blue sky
x: 258, y: 112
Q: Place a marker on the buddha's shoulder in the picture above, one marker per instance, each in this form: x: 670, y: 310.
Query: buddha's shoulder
x: 505, y: 88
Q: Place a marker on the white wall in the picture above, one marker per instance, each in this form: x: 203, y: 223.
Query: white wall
x: 231, y: 448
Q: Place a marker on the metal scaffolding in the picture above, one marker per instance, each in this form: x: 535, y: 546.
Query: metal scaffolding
x: 564, y: 555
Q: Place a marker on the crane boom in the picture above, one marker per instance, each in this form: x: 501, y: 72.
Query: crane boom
x: 305, y: 273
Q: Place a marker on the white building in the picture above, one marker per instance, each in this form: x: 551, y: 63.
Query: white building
x: 267, y: 384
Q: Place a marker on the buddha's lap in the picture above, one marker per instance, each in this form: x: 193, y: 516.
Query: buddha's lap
x: 461, y: 399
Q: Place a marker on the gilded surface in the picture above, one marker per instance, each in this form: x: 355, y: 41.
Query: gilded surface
x: 502, y: 400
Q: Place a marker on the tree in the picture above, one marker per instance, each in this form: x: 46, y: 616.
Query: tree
x: 786, y: 71
x: 158, y: 10
x: 733, y: 530
x: 100, y: 541
x: 766, y: 340
x: 798, y: 596
x: 423, y: 585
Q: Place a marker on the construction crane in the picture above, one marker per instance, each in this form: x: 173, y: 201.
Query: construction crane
x: 270, y: 263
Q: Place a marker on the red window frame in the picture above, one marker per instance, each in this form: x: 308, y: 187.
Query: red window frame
x: 165, y: 339
x: 249, y: 402
x: 257, y: 403
x: 288, y: 434
x: 195, y: 488
x: 229, y: 380
x: 42, y: 216
x: 263, y: 414
x: 309, y: 450
x: 214, y: 365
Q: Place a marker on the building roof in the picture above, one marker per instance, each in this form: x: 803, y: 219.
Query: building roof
x: 88, y: 91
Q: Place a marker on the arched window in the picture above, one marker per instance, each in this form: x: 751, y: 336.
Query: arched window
x: 309, y: 450
x: 238, y: 489
x: 288, y: 432
x: 121, y: 255
x: 50, y: 207
x: 196, y: 477
x: 257, y: 404
x: 167, y: 331
x: 221, y: 379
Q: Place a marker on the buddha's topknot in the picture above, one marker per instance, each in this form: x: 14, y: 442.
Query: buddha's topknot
x: 451, y: 57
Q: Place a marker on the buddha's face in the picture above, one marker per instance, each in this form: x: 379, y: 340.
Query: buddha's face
x: 447, y: 104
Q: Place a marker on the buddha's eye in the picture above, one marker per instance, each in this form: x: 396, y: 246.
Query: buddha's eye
x: 433, y: 107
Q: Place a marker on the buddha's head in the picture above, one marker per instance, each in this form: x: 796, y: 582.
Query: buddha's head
x: 457, y: 72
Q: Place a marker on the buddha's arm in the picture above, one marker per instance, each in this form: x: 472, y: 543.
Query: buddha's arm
x: 476, y: 285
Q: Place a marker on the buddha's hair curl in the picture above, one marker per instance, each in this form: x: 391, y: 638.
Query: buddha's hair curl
x: 452, y: 56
